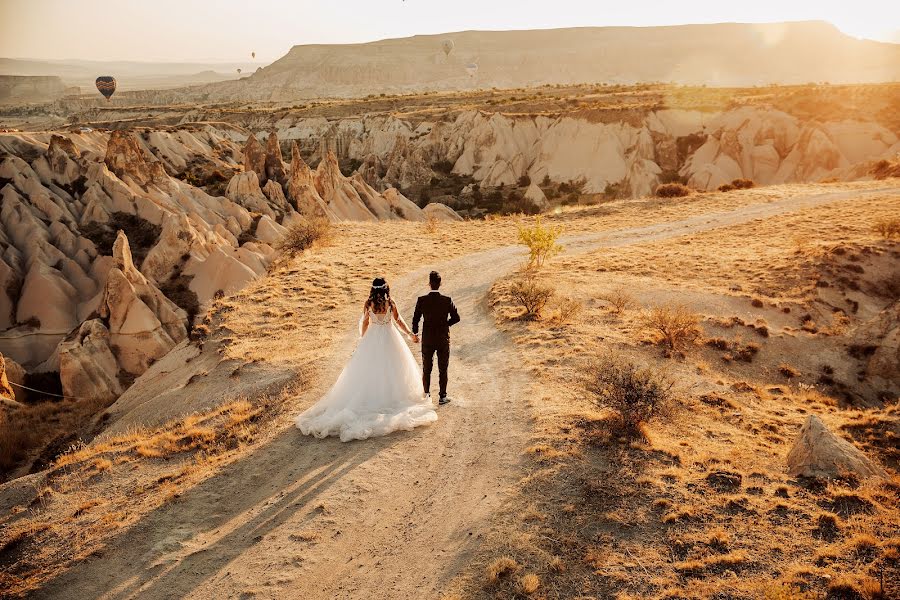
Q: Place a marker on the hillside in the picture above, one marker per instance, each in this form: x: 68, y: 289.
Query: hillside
x: 523, y: 483
x: 727, y: 54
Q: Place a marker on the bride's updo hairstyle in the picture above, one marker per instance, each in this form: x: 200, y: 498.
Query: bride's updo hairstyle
x: 379, y: 295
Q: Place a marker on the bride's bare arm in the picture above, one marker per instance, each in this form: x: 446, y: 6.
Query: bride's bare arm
x: 399, y: 320
x: 365, y: 323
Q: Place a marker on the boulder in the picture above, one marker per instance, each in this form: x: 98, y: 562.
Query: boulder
x: 268, y: 231
x: 883, y: 334
x: 820, y: 453
x: 441, y: 212
x: 536, y: 196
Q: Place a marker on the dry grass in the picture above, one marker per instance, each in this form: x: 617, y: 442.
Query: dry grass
x: 95, y: 490
x: 701, y: 506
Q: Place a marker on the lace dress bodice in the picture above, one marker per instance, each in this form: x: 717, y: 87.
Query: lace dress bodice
x: 380, y: 319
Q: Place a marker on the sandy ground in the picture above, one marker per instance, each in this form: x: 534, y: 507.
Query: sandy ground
x: 396, y: 517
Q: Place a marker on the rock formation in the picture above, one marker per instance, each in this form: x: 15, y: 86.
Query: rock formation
x: 706, y: 149
x: 820, y: 453
x: 882, y: 335
x: 73, y: 300
x: 10, y: 372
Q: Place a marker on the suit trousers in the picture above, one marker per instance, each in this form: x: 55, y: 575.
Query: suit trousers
x: 429, y: 349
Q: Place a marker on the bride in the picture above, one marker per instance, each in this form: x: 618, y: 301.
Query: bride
x: 380, y: 388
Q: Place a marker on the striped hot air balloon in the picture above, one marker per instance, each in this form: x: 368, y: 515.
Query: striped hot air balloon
x: 106, y: 85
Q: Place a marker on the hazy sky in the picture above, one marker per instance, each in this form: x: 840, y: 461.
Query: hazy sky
x: 228, y: 30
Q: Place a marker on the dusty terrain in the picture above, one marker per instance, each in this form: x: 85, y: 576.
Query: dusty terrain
x: 221, y: 497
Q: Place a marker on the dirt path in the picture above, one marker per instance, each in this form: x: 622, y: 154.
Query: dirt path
x: 395, y: 517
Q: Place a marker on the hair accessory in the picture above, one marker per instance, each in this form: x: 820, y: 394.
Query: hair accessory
x: 379, y: 287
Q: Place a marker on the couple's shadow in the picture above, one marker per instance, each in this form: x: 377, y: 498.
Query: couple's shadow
x: 274, y: 482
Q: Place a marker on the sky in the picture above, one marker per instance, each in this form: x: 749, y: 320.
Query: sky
x: 229, y: 30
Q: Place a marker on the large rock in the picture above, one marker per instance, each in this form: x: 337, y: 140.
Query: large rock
x: 255, y: 158
x: 883, y: 334
x: 536, y: 196
x: 820, y: 453
x: 143, y: 323
x: 126, y: 158
x: 87, y: 366
x: 441, y: 212
x: 10, y: 372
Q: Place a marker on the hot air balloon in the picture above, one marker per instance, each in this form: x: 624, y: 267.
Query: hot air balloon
x: 106, y: 85
x: 253, y: 54
x: 472, y: 69
x: 239, y: 71
x: 447, y: 46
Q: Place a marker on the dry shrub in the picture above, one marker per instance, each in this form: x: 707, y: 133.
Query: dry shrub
x: 675, y: 325
x: 888, y: 228
x: 431, y: 224
x: 541, y: 242
x: 635, y: 394
x: 884, y: 169
x: 304, y: 234
x: 567, y: 310
x: 672, y: 190
x: 528, y: 584
x: 742, y: 184
x: 531, y: 294
x: 500, y: 568
x: 619, y: 300
x: 788, y: 371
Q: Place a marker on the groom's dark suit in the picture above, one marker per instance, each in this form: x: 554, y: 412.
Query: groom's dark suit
x: 440, y: 314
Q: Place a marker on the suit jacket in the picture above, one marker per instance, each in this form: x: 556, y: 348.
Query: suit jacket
x: 439, y: 313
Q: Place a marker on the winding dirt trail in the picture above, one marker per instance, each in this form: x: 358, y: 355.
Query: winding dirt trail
x: 395, y: 517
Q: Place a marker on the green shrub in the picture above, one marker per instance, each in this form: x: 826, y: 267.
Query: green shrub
x: 541, y: 242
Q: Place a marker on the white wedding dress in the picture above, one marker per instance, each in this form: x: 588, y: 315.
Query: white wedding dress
x: 379, y: 390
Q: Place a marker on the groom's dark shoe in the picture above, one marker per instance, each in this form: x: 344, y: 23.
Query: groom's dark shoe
x: 443, y: 400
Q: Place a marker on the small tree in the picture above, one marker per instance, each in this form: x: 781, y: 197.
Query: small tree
x: 541, y: 242
x: 635, y: 394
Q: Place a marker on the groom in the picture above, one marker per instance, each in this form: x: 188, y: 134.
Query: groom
x: 440, y: 314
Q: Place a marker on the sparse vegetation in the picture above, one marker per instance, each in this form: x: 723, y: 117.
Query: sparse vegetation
x: 619, y: 300
x: 672, y: 190
x: 676, y: 326
x: 634, y: 393
x: 888, y: 228
x: 302, y: 235
x: 528, y: 292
